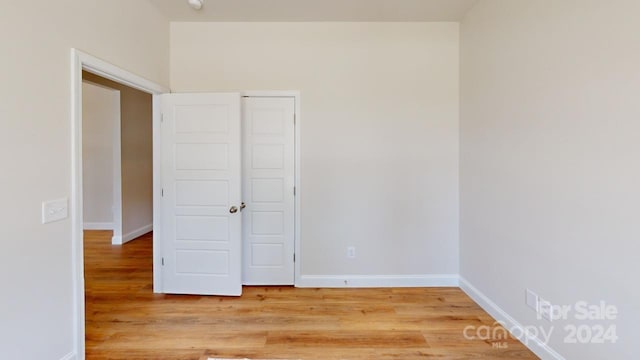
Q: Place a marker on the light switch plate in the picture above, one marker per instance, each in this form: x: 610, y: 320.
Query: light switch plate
x: 55, y: 210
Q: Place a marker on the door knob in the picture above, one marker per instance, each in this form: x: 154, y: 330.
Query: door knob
x: 233, y: 210
x: 243, y: 206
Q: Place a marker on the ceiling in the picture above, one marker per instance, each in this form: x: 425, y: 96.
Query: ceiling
x: 317, y: 10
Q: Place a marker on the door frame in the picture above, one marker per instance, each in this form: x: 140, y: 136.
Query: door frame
x: 83, y: 61
x: 295, y: 94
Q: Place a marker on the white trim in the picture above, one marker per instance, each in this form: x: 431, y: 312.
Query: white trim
x: 116, y: 240
x: 117, y: 176
x: 271, y: 93
x: 69, y: 356
x: 97, y: 226
x: 529, y: 340
x: 109, y: 71
x: 80, y: 61
x: 157, y: 193
x: 298, y: 281
x: 76, y: 203
x: 136, y: 233
x: 377, y: 281
x: 298, y: 208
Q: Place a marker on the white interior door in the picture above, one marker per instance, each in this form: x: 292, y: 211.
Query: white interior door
x: 268, y: 190
x: 201, y: 181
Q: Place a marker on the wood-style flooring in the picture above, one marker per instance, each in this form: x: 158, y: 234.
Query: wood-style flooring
x: 125, y: 320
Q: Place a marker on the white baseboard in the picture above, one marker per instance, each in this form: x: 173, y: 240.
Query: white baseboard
x: 136, y: 233
x: 377, y: 281
x: 69, y: 356
x: 529, y: 340
x: 98, y: 226
x: 116, y: 240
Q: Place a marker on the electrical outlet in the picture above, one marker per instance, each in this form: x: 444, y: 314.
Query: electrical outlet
x: 531, y: 299
x: 351, y: 252
x: 545, y: 310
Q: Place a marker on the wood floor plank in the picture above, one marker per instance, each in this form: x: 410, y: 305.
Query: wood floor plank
x: 125, y: 320
x: 348, y: 339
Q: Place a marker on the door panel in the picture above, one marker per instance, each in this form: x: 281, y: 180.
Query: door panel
x: 268, y: 181
x: 201, y: 177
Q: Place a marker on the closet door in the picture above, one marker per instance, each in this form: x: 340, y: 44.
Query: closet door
x: 268, y: 190
x: 201, y: 180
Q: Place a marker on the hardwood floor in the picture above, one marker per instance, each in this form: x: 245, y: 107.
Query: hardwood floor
x: 125, y: 320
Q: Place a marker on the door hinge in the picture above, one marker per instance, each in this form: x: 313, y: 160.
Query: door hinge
x: 294, y: 257
x: 162, y: 261
x: 294, y: 118
x: 162, y: 117
x: 162, y: 192
x: 294, y: 191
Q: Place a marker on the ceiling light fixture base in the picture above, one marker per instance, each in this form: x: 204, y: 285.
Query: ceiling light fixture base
x: 196, y: 4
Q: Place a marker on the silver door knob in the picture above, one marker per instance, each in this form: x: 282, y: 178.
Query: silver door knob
x: 233, y: 210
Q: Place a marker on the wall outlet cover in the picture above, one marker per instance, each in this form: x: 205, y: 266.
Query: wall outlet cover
x: 545, y: 310
x: 531, y: 299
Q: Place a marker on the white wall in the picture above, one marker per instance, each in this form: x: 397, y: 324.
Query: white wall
x: 379, y: 131
x: 549, y: 159
x: 35, y: 261
x: 100, y: 117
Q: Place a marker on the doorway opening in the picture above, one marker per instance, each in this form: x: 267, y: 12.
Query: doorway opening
x: 117, y: 149
x: 87, y: 65
x: 117, y: 193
